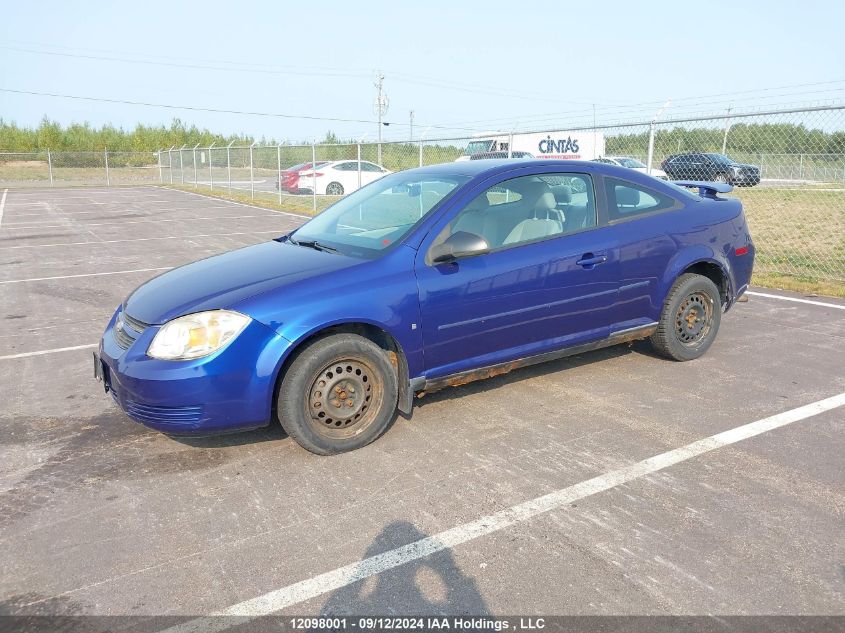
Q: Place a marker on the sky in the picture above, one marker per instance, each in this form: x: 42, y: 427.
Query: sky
x: 462, y: 67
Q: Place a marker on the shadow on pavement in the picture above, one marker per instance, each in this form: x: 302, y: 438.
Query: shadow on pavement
x: 433, y: 585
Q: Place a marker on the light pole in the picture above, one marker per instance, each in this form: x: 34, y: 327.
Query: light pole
x: 380, y: 106
x: 727, y: 129
x: 422, y: 137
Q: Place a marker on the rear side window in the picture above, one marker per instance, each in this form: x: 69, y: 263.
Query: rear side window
x: 626, y: 199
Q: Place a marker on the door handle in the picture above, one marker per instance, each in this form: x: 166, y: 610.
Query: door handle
x: 588, y: 260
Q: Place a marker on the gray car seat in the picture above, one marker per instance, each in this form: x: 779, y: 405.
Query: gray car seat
x: 545, y: 222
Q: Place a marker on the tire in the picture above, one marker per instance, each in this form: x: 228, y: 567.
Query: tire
x: 334, y: 189
x: 720, y: 178
x: 329, y: 412
x: 690, y: 319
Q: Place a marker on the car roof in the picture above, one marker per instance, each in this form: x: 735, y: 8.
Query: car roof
x: 493, y: 166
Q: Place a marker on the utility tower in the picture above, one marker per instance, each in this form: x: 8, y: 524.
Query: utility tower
x: 380, y: 106
x: 411, y: 135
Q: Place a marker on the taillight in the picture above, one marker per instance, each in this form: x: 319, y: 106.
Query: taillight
x: 742, y: 250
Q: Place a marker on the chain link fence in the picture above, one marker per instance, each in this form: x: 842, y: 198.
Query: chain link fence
x: 788, y: 168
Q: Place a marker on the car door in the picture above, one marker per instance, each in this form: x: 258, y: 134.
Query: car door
x: 548, y: 282
x: 345, y: 174
x: 638, y: 215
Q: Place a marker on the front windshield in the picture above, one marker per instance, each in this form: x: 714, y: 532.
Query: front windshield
x: 631, y: 163
x: 475, y: 147
x: 721, y: 159
x: 368, y: 221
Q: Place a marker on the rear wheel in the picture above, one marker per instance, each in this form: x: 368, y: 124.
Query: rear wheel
x: 690, y: 318
x: 334, y: 189
x: 339, y: 394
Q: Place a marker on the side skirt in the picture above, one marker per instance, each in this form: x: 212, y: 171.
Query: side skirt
x: 421, y: 384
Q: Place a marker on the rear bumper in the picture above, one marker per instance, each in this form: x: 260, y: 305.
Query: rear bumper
x: 229, y: 390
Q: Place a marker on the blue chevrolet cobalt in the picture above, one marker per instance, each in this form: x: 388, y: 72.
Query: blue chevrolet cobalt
x: 426, y: 278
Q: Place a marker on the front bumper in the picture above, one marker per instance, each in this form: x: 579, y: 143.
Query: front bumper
x: 229, y: 390
x: 746, y: 178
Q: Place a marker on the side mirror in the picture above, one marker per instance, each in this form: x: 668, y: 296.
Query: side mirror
x: 459, y: 245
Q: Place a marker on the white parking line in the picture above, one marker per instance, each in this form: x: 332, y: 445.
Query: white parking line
x: 796, y: 300
x: 114, y: 272
x: 143, y: 239
x: 3, y: 204
x: 299, y: 592
x: 84, y: 224
x: 47, y: 351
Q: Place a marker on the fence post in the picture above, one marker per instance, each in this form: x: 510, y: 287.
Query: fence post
x: 279, y: 171
x: 160, y: 175
x: 108, y: 180
x: 170, y: 163
x: 251, y: 179
x: 314, y: 175
x: 229, y: 165
x: 359, y: 165
x: 801, y: 166
x: 421, y: 156
x: 650, y: 147
x: 50, y: 166
x: 210, y: 170
x: 181, y: 166
x: 510, y: 145
x: 194, y: 151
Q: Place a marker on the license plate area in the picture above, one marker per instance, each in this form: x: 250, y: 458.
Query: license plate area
x: 101, y: 372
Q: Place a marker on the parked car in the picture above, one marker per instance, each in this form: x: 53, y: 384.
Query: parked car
x: 424, y: 279
x: 630, y: 163
x: 710, y: 167
x: 333, y: 178
x: 289, y: 178
x: 500, y: 155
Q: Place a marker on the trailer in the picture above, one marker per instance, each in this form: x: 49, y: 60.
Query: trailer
x: 561, y: 145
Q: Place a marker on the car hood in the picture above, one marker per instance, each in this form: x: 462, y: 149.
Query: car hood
x: 224, y: 280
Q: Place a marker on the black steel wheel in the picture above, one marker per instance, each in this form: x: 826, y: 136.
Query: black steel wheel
x: 690, y: 318
x: 694, y: 318
x: 339, y: 393
x: 344, y: 398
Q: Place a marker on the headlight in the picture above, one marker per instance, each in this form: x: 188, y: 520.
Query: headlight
x: 736, y: 170
x: 196, y: 335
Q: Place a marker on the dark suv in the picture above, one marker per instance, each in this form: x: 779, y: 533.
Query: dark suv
x: 710, y: 167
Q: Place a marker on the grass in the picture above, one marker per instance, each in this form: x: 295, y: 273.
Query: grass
x: 803, y: 285
x: 37, y: 174
x: 301, y: 204
x: 799, y: 233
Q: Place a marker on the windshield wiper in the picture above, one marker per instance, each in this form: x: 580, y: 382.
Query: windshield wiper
x: 317, y: 246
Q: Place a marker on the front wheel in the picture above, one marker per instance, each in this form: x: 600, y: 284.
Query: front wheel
x: 690, y: 319
x: 721, y: 178
x: 339, y: 394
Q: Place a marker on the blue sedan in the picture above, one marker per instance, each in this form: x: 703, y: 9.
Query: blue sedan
x: 427, y: 278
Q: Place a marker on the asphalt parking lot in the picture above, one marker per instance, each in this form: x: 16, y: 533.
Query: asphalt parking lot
x: 99, y: 515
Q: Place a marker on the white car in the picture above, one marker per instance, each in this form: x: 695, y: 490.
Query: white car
x: 339, y: 177
x: 631, y: 163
